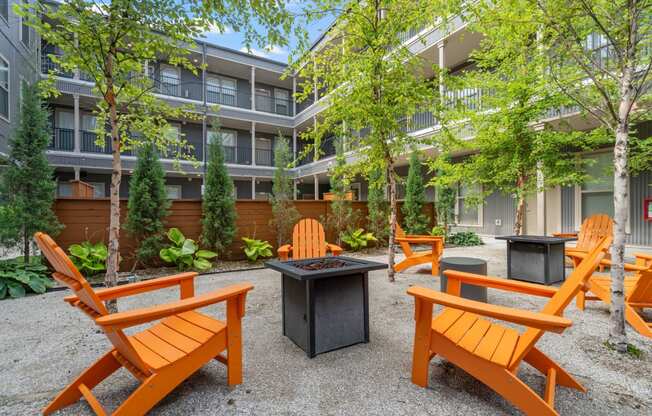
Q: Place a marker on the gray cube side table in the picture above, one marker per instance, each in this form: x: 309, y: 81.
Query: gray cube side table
x: 469, y: 265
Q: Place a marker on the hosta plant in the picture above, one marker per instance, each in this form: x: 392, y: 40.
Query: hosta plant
x: 255, y: 249
x: 357, y: 239
x: 185, y: 253
x: 16, y: 278
x: 88, y: 257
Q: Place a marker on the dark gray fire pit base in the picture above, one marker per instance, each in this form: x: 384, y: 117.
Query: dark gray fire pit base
x: 324, y: 310
x: 469, y: 265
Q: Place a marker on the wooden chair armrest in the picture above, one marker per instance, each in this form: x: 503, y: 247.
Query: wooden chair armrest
x: 284, y: 252
x: 143, y: 315
x: 421, y: 239
x: 136, y: 288
x: 565, y: 235
x: 643, y: 259
x: 502, y: 284
x: 538, y: 320
x: 640, y: 266
x: 335, y: 249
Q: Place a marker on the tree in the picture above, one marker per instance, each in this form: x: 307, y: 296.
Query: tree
x: 148, y: 204
x: 27, y: 186
x: 112, y: 42
x: 378, y: 207
x: 284, y: 213
x: 218, y: 205
x: 388, y: 85
x: 342, y: 217
x: 599, y: 57
x: 445, y: 193
x: 512, y: 151
x: 415, y: 197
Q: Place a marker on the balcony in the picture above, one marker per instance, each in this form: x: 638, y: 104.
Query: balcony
x: 240, y: 155
x: 274, y: 105
x: 89, y: 143
x: 228, y: 96
x: 264, y: 157
x: 48, y: 65
x: 62, y: 139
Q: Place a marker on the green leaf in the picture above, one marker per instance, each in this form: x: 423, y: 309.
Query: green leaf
x: 21, y: 276
x: 3, y: 290
x: 202, y: 264
x: 79, y: 251
x: 251, y: 253
x: 16, y: 290
x: 167, y: 255
x: 100, y: 251
x: 176, y: 236
x: 189, y: 247
x: 205, y: 254
x: 36, y: 285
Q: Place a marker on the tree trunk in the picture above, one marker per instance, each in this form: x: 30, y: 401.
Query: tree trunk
x: 617, y: 335
x: 26, y: 238
x: 520, y: 215
x: 392, y: 222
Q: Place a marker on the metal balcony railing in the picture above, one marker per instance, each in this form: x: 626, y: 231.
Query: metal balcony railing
x: 274, y: 105
x: 48, y: 65
x: 240, y: 155
x: 264, y: 157
x: 63, y: 139
x: 223, y: 96
x: 89, y: 143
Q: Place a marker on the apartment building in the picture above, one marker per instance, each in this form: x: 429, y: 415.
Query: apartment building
x: 256, y: 104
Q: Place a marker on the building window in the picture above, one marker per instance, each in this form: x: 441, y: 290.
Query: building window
x: 4, y: 88
x: 282, y: 101
x: 99, y: 189
x: 23, y: 85
x: 467, y: 214
x: 221, y: 90
x: 64, y: 189
x: 264, y: 151
x: 25, y: 31
x: 170, y: 80
x: 596, y: 194
x: 173, y: 191
x: 4, y: 9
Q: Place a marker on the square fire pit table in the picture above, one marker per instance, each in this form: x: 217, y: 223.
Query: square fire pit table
x: 325, y: 301
x: 535, y: 258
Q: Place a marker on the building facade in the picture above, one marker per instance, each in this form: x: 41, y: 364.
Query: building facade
x: 256, y: 105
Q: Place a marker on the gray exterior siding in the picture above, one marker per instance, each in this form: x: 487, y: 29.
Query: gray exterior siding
x: 568, y: 209
x: 242, y: 189
x: 641, y: 188
x: 193, y: 134
x: 22, y: 62
x: 496, y: 206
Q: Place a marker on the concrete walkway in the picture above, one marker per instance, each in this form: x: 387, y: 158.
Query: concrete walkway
x: 45, y: 343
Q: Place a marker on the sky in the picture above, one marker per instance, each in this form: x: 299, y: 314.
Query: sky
x: 235, y: 40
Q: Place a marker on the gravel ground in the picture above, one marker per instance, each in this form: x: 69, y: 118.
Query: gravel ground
x: 45, y: 343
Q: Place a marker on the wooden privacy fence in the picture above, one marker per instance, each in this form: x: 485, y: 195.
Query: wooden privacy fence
x: 88, y: 219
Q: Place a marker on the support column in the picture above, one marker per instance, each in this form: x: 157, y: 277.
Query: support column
x: 315, y: 150
x: 541, y: 204
x: 77, y: 123
x: 316, y: 179
x: 442, y: 68
x: 294, y: 194
x: 253, y: 87
x: 253, y: 143
x: 253, y: 187
x: 294, y: 143
x: 294, y: 100
x: 77, y: 173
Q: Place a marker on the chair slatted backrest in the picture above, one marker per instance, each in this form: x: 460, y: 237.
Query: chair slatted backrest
x: 593, y: 229
x: 642, y: 291
x: 564, y: 296
x: 89, y: 302
x: 308, y: 239
x: 407, y: 250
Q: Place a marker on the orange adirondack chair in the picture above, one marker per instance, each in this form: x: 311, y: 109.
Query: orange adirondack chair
x: 308, y: 240
x: 593, y: 229
x: 420, y: 257
x: 489, y: 351
x: 638, y: 292
x: 163, y: 355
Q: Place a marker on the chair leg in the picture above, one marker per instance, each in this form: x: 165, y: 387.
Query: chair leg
x: 91, y: 377
x: 543, y: 363
x: 234, y: 342
x: 637, y: 322
x: 580, y: 300
x: 421, y: 354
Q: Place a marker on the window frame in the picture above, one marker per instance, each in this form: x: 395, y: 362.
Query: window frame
x: 8, y: 10
x: 7, y: 117
x: 480, y: 208
x: 21, y: 27
x: 168, y: 187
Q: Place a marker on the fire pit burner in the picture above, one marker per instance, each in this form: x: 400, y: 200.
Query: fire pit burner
x: 321, y: 264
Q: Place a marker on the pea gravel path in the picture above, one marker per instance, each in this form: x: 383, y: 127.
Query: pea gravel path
x: 44, y: 344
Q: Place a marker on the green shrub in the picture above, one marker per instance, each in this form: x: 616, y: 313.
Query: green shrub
x: 465, y: 239
x: 256, y: 248
x: 185, y: 253
x: 89, y: 258
x: 357, y: 239
x: 438, y: 231
x: 16, y: 277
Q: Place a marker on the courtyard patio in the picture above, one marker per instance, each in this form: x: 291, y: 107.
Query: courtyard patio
x: 46, y: 342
